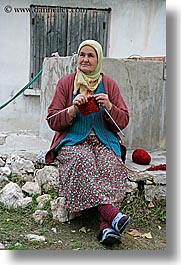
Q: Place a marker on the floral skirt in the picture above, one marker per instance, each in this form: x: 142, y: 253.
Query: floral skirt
x: 90, y: 175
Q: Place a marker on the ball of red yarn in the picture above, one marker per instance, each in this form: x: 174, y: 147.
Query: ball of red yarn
x: 141, y: 157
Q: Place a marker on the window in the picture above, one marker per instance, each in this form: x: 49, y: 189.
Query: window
x: 62, y: 29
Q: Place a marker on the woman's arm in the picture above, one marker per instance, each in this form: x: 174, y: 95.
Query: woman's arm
x: 61, y: 111
x: 119, y: 111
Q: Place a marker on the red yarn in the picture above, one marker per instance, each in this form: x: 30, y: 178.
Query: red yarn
x: 89, y: 107
x: 141, y: 157
x: 159, y: 167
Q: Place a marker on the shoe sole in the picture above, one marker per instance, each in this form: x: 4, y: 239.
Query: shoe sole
x: 111, y: 240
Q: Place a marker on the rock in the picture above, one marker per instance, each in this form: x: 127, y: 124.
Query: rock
x: 131, y: 187
x: 59, y: 212
x: 5, y: 171
x: 154, y: 192
x: 2, y: 246
x: 47, y: 177
x: 151, y: 205
x: 32, y: 188
x: 54, y: 229
x: 26, y: 201
x: 18, y: 244
x: 12, y: 196
x: 3, y: 181
x: 2, y: 163
x: 40, y: 158
x: 33, y: 237
x: 42, y: 200
x: 58, y: 209
x: 139, y: 176
x: 148, y: 182
x: 20, y: 166
x: 39, y: 215
x: 160, y: 180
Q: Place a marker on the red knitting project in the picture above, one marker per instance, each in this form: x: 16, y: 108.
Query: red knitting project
x: 141, y: 157
x: 89, y: 107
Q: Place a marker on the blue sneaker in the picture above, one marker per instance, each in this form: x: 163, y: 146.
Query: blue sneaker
x: 120, y: 222
x: 109, y: 236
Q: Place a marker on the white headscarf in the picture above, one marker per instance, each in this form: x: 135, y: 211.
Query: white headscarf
x: 89, y: 81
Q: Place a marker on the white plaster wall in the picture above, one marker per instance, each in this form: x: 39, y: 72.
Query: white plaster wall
x: 14, y: 58
x: 137, y: 27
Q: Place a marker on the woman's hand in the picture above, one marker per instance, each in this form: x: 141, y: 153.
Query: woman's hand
x: 80, y: 99
x: 103, y: 100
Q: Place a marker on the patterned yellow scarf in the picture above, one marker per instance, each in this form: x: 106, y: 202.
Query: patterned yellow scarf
x: 89, y: 81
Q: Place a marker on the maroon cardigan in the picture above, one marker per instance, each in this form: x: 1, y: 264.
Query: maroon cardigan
x: 62, y: 99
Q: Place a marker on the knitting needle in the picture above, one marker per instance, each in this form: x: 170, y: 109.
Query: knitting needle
x: 56, y: 114
x: 114, y: 122
x: 105, y: 111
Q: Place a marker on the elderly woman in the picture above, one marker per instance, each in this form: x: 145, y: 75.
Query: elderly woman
x: 86, y: 111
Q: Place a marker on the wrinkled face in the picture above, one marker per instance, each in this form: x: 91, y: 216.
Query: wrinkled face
x: 87, y: 59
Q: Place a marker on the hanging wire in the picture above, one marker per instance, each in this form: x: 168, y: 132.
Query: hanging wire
x: 21, y: 91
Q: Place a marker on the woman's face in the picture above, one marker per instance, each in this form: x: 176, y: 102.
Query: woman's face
x: 87, y: 59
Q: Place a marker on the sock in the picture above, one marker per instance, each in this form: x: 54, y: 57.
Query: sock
x: 107, y: 212
x: 104, y: 224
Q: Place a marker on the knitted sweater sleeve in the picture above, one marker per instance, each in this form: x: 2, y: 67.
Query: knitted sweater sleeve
x: 119, y: 111
x: 62, y: 99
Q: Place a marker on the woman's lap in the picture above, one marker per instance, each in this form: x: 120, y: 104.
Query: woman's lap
x: 90, y: 174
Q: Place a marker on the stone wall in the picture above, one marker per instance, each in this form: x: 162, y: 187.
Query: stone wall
x: 21, y: 179
x: 143, y: 87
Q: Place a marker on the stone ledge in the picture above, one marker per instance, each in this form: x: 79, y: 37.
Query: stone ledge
x: 38, y: 178
x: 32, y: 92
x: 2, y: 138
x: 25, y: 161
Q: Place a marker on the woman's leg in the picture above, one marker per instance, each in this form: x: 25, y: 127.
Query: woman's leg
x: 81, y: 183
x: 113, y: 217
x: 107, y: 235
x: 113, y: 173
x: 107, y: 212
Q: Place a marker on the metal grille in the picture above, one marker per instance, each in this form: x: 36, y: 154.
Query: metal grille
x: 60, y: 29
